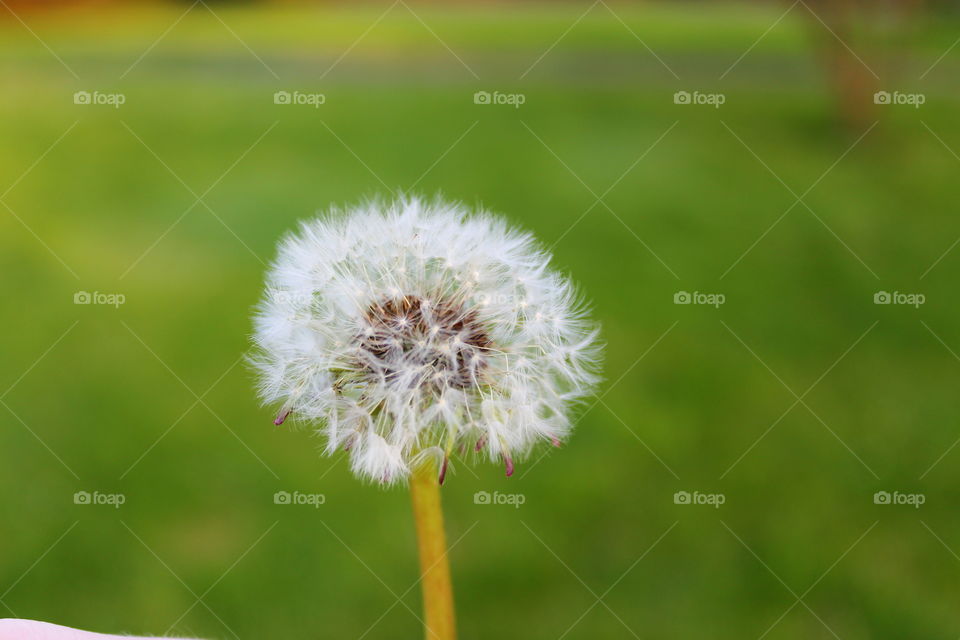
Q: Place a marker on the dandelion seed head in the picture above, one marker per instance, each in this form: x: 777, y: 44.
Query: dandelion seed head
x: 406, y: 329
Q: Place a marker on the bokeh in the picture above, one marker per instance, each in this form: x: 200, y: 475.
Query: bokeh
x: 759, y: 199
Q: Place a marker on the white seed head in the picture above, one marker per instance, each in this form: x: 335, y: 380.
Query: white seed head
x: 408, y: 329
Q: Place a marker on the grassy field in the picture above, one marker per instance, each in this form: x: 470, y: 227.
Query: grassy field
x: 797, y: 399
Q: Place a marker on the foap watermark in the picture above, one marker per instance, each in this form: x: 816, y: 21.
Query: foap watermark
x: 911, y: 99
x: 912, y: 499
x: 711, y: 299
x: 696, y: 97
x: 896, y: 297
x: 487, y: 299
x: 296, y: 498
x: 290, y: 298
x: 513, y: 499
x: 712, y: 499
x: 497, y: 97
x: 115, y: 100
x: 97, y: 297
x: 114, y: 500
x: 299, y: 97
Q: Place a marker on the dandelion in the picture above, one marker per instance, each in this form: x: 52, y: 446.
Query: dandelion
x: 413, y: 331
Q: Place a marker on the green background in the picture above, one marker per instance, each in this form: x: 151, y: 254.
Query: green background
x: 152, y: 400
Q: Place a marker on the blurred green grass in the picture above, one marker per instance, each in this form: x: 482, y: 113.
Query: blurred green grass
x: 684, y: 399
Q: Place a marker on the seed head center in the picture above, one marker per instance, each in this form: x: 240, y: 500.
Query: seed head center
x: 415, y: 341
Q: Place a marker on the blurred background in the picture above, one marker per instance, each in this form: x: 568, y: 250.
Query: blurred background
x: 758, y: 198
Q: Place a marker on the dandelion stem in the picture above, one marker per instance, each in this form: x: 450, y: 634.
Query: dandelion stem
x: 432, y: 543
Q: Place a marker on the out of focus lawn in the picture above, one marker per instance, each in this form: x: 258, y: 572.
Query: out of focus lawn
x: 177, y: 198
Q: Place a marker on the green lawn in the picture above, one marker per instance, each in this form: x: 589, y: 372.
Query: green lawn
x: 152, y: 400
